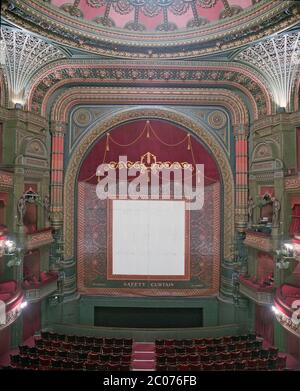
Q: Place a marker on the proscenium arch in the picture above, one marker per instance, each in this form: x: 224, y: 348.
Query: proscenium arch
x: 145, y: 113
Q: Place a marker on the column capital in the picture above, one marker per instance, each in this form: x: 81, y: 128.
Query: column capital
x: 57, y: 128
x: 241, y: 131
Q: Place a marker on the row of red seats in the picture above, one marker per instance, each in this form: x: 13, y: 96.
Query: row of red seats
x: 107, y: 349
x: 278, y: 363
x: 207, y: 357
x: 230, y: 347
x: 206, y: 341
x: 82, y: 339
x: 26, y: 360
x: 47, y: 363
x: 78, y: 356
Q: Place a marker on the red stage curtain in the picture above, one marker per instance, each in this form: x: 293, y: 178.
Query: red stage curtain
x: 295, y: 221
x: 264, y: 325
x: 128, y: 140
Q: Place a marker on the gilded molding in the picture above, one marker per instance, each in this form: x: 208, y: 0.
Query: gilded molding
x: 222, y: 74
x: 119, y: 95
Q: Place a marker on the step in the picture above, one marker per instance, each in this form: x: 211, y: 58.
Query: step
x: 143, y: 356
x: 142, y: 364
x: 143, y: 346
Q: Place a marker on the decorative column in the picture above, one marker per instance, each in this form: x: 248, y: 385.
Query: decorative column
x: 65, y: 267
x: 57, y: 169
x: 241, y: 183
x: 230, y: 267
x: 56, y: 193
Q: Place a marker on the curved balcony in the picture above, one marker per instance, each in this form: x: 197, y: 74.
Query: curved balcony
x: 36, y: 290
x: 11, y: 298
x: 286, y: 302
x: 258, y: 240
x: 257, y: 291
x: 39, y: 238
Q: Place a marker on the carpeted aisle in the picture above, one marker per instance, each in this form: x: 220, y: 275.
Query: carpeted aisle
x: 143, y: 356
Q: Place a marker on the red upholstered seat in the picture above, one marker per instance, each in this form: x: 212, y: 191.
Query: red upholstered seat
x: 219, y: 366
x: 184, y: 367
x: 182, y: 358
x: 208, y: 366
x: 195, y: 367
x: 8, y: 286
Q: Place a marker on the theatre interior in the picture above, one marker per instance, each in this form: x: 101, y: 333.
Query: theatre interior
x: 150, y: 185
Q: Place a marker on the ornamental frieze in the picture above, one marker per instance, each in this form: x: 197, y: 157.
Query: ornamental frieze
x: 292, y: 183
x: 259, y: 241
x: 199, y: 37
x: 6, y: 179
x: 70, y: 73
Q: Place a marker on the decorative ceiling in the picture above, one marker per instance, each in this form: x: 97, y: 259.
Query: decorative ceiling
x: 152, y: 29
x: 153, y: 15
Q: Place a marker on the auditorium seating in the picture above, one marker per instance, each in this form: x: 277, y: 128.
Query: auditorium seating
x: 54, y: 351
x: 229, y: 353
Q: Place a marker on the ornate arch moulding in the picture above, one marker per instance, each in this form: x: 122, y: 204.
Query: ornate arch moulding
x: 146, y: 113
x: 121, y: 95
x: 252, y: 24
x: 66, y: 73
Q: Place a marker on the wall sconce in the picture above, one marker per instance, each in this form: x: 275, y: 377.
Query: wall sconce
x: 7, y: 245
x: 285, y: 255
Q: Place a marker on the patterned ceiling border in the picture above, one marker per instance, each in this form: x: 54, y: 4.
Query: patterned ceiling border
x: 67, y: 73
x: 146, y: 113
x: 255, y: 23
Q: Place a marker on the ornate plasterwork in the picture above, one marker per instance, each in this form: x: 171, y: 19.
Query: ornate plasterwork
x: 83, y: 117
x: 292, y: 183
x: 118, y: 95
x: 258, y: 240
x: 6, y: 180
x: 240, y: 29
x: 278, y: 59
x: 25, y: 54
x: 194, y: 74
x: 179, y: 119
x: 151, y: 15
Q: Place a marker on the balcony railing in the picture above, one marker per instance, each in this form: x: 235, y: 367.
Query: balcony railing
x: 39, y: 238
x: 38, y: 290
x: 258, y: 240
x: 261, y: 295
x: 38, y: 293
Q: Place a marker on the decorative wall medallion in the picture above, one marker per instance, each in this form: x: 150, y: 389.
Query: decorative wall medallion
x: 82, y: 117
x: 217, y: 119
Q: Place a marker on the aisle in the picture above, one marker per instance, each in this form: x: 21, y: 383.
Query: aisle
x: 143, y: 356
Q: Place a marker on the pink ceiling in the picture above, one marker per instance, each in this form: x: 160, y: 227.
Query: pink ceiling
x: 179, y: 12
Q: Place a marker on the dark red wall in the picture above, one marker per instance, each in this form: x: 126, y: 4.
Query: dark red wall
x: 264, y: 323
